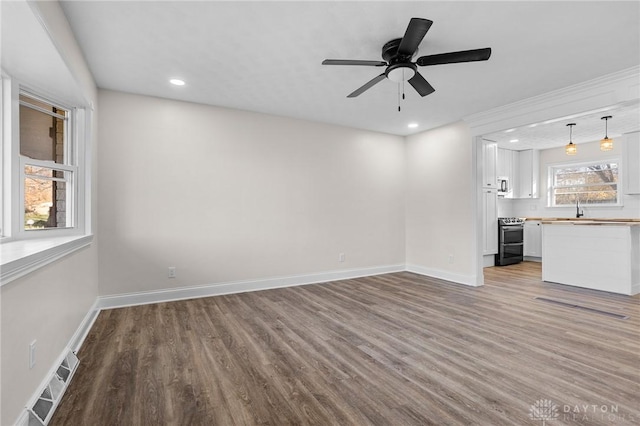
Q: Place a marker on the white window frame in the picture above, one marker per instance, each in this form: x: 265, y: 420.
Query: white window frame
x: 551, y: 181
x: 70, y: 165
x: 71, y: 200
x: 23, y: 251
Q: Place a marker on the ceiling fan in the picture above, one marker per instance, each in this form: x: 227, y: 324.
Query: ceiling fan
x: 397, y: 55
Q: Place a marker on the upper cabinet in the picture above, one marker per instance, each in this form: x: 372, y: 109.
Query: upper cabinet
x: 506, y: 170
x: 505, y: 163
x: 490, y: 160
x: 528, y: 171
x: 521, y: 169
x: 631, y: 159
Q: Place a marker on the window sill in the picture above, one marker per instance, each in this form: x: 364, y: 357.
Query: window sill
x: 19, y: 258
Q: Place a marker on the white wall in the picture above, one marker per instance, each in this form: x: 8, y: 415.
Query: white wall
x: 440, y: 203
x: 49, y: 304
x: 225, y: 195
x: 586, y: 152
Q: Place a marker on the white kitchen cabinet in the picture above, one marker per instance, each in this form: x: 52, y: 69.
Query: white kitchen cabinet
x: 528, y: 174
x: 506, y: 168
x: 533, y: 238
x: 490, y: 214
x: 489, y: 163
x: 631, y: 159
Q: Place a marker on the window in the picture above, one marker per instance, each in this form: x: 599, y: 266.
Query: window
x: 44, y: 179
x: 46, y: 166
x: 594, y: 184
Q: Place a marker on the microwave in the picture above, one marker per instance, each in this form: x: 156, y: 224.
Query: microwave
x: 503, y: 186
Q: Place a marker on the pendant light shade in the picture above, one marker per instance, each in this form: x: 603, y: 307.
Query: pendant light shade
x: 606, y: 144
x: 571, y: 148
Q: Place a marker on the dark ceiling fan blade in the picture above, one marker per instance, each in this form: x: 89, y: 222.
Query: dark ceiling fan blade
x: 367, y: 86
x: 353, y: 62
x: 455, y: 57
x: 416, y: 31
x: 421, y: 85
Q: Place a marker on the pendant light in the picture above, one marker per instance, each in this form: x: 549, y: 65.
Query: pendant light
x: 606, y: 144
x: 571, y: 148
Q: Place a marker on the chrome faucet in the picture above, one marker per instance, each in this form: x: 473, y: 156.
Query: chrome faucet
x: 578, y: 212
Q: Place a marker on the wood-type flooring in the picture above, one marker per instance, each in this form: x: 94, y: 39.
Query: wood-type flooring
x: 395, y: 349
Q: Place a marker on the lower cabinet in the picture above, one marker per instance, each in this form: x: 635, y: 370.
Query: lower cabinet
x: 533, y: 238
x: 490, y: 214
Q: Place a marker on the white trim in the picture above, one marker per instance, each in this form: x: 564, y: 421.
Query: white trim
x: 610, y: 89
x: 73, y: 345
x: 19, y: 258
x: 83, y: 329
x: 172, y: 294
x: 469, y: 280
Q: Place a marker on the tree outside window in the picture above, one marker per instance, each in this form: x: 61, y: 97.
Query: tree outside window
x: 589, y: 184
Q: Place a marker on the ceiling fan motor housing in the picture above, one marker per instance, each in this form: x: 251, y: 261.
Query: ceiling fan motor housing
x: 390, y: 52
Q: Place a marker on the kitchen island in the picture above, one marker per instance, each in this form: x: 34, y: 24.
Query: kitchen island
x: 597, y: 254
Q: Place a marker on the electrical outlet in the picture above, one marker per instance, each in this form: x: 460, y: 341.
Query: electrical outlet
x: 341, y: 257
x: 32, y: 354
x: 172, y: 272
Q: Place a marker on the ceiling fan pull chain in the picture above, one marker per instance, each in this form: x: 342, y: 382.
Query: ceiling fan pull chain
x: 398, y: 97
x: 403, y: 87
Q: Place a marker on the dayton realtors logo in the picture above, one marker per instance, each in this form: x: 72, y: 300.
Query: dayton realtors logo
x: 544, y: 410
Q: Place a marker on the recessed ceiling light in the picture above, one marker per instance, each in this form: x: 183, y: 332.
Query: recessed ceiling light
x: 177, y: 82
x: 510, y: 130
x: 513, y: 140
x: 412, y: 125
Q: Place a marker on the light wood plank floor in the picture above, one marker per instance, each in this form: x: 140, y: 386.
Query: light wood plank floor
x: 396, y: 349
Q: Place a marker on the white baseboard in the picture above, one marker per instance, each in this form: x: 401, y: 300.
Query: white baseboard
x: 87, y: 322
x: 470, y: 280
x: 73, y: 345
x: 172, y: 294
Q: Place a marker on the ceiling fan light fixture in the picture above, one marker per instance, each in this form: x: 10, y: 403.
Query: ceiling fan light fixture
x: 606, y: 144
x: 400, y: 73
x: 571, y: 148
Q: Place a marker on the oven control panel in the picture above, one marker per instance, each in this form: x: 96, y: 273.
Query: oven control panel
x: 511, y: 220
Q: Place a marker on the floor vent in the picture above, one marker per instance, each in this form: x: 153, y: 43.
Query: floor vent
x: 583, y: 308
x: 42, y: 410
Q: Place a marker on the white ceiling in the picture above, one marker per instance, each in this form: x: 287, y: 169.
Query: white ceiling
x: 266, y: 56
x: 25, y: 46
x: 589, y: 127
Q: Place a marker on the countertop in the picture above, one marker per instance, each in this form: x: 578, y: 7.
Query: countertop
x: 598, y: 222
x: 586, y: 220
